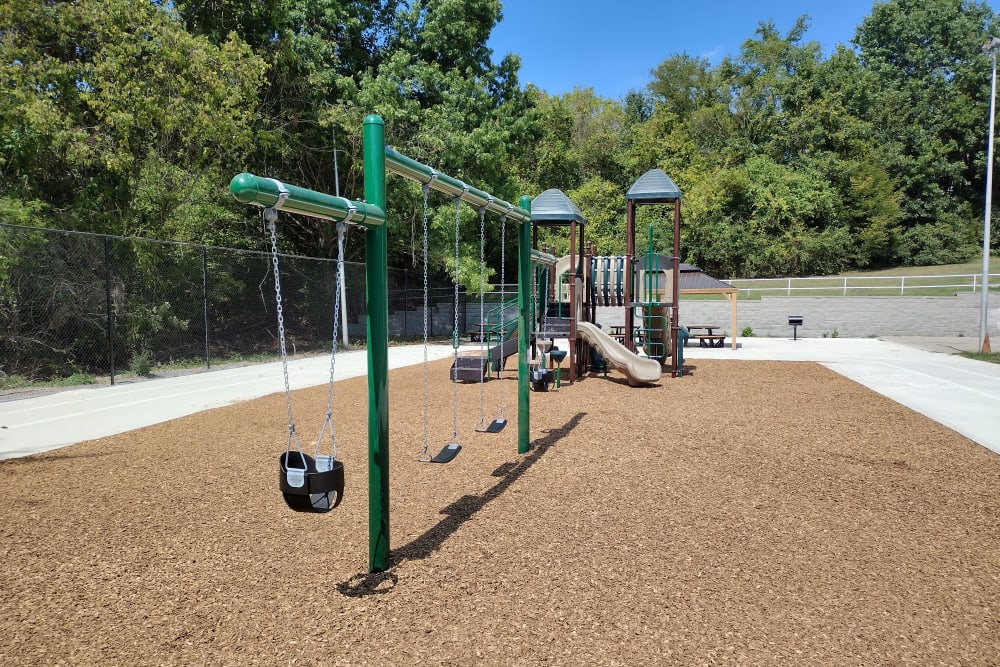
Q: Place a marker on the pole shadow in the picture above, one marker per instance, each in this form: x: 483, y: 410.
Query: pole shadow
x: 456, y: 514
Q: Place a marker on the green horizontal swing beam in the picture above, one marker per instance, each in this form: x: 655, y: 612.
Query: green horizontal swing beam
x: 272, y: 193
x: 543, y: 258
x: 399, y: 164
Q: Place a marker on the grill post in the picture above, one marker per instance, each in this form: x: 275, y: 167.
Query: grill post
x: 795, y: 321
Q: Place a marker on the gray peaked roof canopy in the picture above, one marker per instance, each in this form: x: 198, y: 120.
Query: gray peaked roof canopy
x: 553, y: 207
x: 653, y: 187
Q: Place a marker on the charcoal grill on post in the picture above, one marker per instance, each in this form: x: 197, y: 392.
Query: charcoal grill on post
x: 795, y: 321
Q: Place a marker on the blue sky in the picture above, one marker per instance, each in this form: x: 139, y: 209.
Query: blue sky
x: 612, y: 46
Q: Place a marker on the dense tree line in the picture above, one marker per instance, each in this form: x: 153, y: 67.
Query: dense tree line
x: 130, y: 117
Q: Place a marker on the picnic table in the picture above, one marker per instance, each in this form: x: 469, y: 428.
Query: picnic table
x: 476, y: 335
x: 709, y: 338
x: 617, y: 332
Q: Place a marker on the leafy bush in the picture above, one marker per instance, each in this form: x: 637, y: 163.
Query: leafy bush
x: 141, y: 364
x: 747, y: 332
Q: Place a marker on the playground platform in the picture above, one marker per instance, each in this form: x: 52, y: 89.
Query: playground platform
x: 922, y: 374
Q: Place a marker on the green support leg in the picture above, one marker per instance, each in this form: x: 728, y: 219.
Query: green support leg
x: 524, y: 281
x: 376, y: 293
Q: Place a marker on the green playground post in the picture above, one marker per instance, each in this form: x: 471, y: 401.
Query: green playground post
x: 376, y: 294
x: 524, y: 317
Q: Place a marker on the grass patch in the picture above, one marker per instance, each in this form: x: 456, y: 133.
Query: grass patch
x: 943, y: 280
x: 993, y: 357
x: 21, y: 382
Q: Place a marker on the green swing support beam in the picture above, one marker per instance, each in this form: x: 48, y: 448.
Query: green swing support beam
x: 378, y: 159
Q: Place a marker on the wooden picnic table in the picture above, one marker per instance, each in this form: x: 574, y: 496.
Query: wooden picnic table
x: 709, y: 338
x: 617, y: 332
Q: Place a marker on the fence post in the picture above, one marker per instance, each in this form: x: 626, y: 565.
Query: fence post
x: 107, y: 302
x: 789, y: 287
x: 902, y: 286
x: 845, y: 285
x: 204, y: 293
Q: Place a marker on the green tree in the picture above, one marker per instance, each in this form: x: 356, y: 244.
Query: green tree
x: 926, y: 92
x: 117, y: 118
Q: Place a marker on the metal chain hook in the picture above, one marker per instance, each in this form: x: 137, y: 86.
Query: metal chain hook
x: 503, y: 284
x: 454, y: 333
x: 328, y: 421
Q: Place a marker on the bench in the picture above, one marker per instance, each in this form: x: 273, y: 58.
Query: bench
x: 710, y: 340
x: 476, y: 335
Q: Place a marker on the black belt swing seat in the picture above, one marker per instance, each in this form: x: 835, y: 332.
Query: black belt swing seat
x: 311, y: 484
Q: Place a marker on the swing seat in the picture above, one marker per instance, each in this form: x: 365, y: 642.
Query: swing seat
x: 541, y: 379
x: 449, y: 452
x: 311, y: 484
x: 495, y: 426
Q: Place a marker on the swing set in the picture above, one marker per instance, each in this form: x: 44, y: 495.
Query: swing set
x: 316, y: 483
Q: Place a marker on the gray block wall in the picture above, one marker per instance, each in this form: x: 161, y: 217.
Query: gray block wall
x: 851, y: 317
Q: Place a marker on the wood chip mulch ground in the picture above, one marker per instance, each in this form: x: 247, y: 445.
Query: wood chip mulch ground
x: 768, y: 513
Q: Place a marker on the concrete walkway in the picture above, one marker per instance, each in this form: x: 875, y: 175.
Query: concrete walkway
x: 960, y: 393
x: 32, y: 425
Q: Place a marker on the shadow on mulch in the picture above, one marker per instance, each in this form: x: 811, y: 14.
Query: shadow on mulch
x: 457, y: 513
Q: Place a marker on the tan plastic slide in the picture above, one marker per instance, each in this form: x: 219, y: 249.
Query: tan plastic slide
x: 637, y: 369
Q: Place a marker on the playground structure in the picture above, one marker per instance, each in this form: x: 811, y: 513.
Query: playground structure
x: 654, y: 187
x: 498, y: 338
x: 273, y: 195
x: 645, y: 286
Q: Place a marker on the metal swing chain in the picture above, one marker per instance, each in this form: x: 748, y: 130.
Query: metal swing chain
x: 454, y: 333
x: 328, y: 421
x: 271, y: 215
x: 503, y: 311
x: 483, y: 326
x: 425, y: 455
x: 534, y: 297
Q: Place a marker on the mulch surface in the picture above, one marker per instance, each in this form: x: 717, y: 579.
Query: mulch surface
x: 751, y: 513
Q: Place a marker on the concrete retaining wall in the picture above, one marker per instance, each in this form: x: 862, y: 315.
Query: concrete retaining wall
x: 851, y: 317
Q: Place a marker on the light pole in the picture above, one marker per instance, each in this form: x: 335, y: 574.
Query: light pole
x: 989, y: 47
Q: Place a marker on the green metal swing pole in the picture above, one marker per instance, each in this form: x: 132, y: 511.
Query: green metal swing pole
x: 377, y: 296
x: 524, y: 318
x: 272, y: 193
x: 399, y: 164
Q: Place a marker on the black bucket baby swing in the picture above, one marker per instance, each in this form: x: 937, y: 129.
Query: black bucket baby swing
x: 309, y: 483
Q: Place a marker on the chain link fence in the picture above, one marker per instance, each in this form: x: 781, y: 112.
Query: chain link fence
x: 74, y: 302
